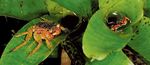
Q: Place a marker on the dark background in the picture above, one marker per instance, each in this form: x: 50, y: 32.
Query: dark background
x: 8, y: 27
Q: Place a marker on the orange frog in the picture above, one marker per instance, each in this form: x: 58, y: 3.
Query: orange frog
x: 123, y: 22
x: 40, y: 31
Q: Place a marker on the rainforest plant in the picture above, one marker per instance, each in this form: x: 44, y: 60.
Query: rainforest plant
x: 96, y: 36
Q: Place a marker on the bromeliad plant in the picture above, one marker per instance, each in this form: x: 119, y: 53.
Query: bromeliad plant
x: 111, y: 27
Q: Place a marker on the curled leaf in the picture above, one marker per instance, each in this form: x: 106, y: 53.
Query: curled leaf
x: 133, y: 9
x: 99, y: 40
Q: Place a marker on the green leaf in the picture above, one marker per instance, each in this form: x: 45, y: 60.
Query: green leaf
x: 20, y: 56
x: 80, y: 7
x: 22, y: 9
x: 141, y: 41
x: 147, y: 8
x: 115, y: 58
x: 133, y: 9
x: 99, y: 40
x: 56, y: 10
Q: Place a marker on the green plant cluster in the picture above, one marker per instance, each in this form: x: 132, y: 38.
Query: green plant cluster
x: 100, y: 44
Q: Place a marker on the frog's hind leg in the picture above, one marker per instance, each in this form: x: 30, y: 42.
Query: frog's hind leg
x: 49, y: 45
x: 38, y: 39
x: 35, y: 49
x: 28, y: 37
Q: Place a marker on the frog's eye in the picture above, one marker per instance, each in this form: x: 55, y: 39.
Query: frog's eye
x: 58, y: 25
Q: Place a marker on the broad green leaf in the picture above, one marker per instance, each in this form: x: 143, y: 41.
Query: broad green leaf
x: 99, y: 40
x: 115, y: 58
x: 147, y: 8
x: 20, y: 56
x: 80, y: 7
x: 22, y: 9
x: 141, y: 40
x: 133, y: 9
x: 56, y: 10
